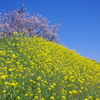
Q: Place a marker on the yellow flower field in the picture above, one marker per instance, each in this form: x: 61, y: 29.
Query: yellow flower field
x: 36, y: 69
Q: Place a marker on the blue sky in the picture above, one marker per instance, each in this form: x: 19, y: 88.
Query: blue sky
x: 79, y: 19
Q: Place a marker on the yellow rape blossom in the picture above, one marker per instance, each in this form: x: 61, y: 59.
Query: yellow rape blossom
x: 63, y: 98
x: 26, y: 94
x: 34, y: 68
x: 4, y: 91
x: 38, y: 78
x: 52, y: 98
x: 42, y: 99
x: 18, y: 97
x: 3, y: 76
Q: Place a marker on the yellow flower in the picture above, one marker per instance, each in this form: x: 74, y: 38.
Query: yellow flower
x: 74, y: 92
x: 14, y: 56
x: 42, y: 72
x: 26, y: 94
x: 10, y: 69
x: 54, y: 84
x: 7, y: 83
x: 52, y: 98
x: 42, y: 99
x: 63, y: 97
x: 90, y: 97
x: 36, y: 97
x: 2, y: 53
x: 5, y: 68
x: 70, y: 92
x: 18, y: 97
x: 31, y: 94
x: 38, y: 90
x: 49, y: 88
x: 8, y: 62
x: 38, y: 78
x: 52, y: 87
x: 18, y: 63
x: 86, y: 99
x: 3, y: 91
x: 14, y: 84
x: 97, y: 98
x: 38, y: 84
x: 15, y: 33
x: 80, y: 91
x: 3, y: 76
x: 31, y: 80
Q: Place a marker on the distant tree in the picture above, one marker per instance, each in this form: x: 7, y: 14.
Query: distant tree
x: 20, y: 21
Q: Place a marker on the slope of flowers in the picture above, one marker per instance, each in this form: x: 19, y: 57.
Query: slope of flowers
x: 36, y: 69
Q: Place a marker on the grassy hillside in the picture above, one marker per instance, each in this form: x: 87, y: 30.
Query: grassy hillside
x: 36, y: 69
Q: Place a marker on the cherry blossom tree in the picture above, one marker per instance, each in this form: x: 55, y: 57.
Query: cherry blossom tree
x: 21, y: 22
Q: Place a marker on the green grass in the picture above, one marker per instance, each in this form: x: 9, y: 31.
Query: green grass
x: 36, y: 69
